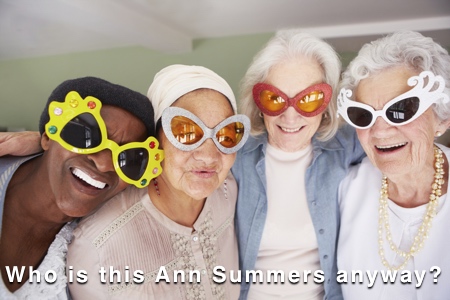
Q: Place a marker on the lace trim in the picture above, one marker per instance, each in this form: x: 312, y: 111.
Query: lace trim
x: 117, y: 224
x: 186, y: 261
x: 54, y: 260
x: 208, y: 241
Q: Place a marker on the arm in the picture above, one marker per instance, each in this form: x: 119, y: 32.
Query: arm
x: 20, y: 143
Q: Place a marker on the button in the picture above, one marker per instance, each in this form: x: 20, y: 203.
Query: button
x: 195, y: 238
x: 203, y: 271
x: 321, y: 231
x: 325, y: 256
x: 314, y: 203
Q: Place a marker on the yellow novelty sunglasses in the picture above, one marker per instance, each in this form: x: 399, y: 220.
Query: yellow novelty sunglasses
x: 76, y: 124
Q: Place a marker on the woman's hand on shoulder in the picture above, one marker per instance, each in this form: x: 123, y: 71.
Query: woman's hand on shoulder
x: 20, y: 143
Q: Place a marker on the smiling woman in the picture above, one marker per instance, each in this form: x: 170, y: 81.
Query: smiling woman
x: 394, y: 207
x: 41, y: 196
x: 289, y: 171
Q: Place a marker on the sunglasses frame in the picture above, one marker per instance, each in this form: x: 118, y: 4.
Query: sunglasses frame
x: 324, y: 87
x: 61, y: 113
x: 170, y: 112
x: 425, y: 92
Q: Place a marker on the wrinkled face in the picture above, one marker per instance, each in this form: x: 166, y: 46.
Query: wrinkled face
x: 96, y: 180
x: 290, y: 131
x: 198, y: 173
x: 396, y: 150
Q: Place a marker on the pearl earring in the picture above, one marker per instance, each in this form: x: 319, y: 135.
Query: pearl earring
x: 438, y: 133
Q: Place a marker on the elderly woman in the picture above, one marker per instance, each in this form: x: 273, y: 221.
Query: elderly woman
x: 169, y: 238
x: 394, y: 212
x: 288, y: 173
x: 42, y: 196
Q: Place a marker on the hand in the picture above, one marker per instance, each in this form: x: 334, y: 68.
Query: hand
x: 20, y: 143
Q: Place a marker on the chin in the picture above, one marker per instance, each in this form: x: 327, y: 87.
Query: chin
x: 200, y: 194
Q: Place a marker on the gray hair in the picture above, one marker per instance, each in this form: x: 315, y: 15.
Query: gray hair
x: 402, y: 48
x: 286, y: 45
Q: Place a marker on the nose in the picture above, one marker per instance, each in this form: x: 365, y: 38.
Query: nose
x: 290, y: 114
x: 207, y: 152
x: 380, y: 127
x: 102, y: 160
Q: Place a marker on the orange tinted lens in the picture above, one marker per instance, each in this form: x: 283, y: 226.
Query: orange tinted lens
x: 311, y: 102
x: 230, y: 135
x: 185, y: 130
x: 271, y: 101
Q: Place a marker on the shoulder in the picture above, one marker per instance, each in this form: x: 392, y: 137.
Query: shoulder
x: 345, y: 138
x: 359, y: 178
x: 13, y: 162
x: 344, y: 146
x: 93, y: 225
x: 254, y: 144
x: 250, y: 154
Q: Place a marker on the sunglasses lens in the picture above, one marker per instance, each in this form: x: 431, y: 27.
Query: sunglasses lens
x: 359, y: 116
x: 82, y: 132
x: 403, y: 110
x: 311, y: 102
x: 230, y: 135
x: 271, y: 101
x: 133, y: 162
x: 185, y: 130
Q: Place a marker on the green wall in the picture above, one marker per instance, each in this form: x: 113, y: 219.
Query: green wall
x: 25, y: 84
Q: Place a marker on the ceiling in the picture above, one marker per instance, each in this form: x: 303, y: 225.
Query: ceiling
x: 35, y: 28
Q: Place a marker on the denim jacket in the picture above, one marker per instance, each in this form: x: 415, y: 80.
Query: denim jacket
x: 330, y: 163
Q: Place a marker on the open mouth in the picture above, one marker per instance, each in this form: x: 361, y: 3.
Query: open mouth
x: 390, y: 148
x: 290, y: 130
x: 87, y: 180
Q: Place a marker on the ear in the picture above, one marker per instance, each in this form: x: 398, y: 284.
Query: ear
x: 45, y: 141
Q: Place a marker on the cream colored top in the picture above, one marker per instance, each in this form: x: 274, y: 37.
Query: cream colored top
x: 358, y: 243
x: 130, y: 236
x: 288, y: 242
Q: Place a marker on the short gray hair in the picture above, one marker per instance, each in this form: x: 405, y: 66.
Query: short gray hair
x: 289, y: 44
x: 402, y: 48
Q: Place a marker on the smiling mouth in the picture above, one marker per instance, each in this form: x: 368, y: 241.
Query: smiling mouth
x: 291, y: 130
x: 88, y: 180
x: 390, y: 147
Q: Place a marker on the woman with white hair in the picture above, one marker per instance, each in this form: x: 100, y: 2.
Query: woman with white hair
x: 395, y: 215
x: 288, y: 173
x: 165, y: 241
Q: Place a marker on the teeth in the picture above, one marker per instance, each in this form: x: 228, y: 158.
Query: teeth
x: 290, y: 130
x: 89, y: 180
x: 391, y: 146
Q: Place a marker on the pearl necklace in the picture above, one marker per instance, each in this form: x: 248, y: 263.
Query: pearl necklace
x: 422, y: 233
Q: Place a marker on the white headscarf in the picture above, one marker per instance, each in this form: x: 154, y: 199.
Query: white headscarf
x: 175, y: 81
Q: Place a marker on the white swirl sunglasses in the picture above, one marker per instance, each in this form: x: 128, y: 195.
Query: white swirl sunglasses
x: 401, y: 110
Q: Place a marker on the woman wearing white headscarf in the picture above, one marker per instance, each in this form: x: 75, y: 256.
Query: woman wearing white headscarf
x: 184, y: 222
